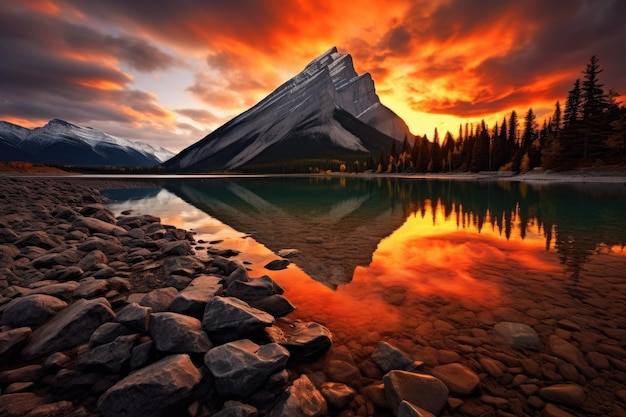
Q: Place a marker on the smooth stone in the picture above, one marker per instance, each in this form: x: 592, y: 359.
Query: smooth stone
x: 68, y: 328
x: 159, y: 300
x: 112, y: 356
x: 301, y: 399
x: 135, y: 316
x: 552, y: 410
x: 64, y: 290
x: 12, y: 338
x: 571, y: 395
x: 598, y: 360
x: 92, y: 259
x: 336, y: 394
x: 31, y: 310
x: 425, y: 391
x: 288, y: 253
x: 20, y: 404
x: 567, y: 351
x: 459, y: 379
x: 57, y: 409
x: 518, y: 335
x: 276, y: 305
x: 227, y: 319
x: 91, y: 287
x: 97, y: 226
x: 406, y: 409
x: 277, y: 264
x: 110, y: 246
x: 242, y: 367
x: 108, y: 332
x: 492, y: 367
x: 151, y: 390
x: 68, y: 257
x: 19, y: 387
x: 173, y: 332
x: 305, y: 341
x: 389, y: 358
x: 193, y: 299
x: 38, y: 238
x: 28, y: 373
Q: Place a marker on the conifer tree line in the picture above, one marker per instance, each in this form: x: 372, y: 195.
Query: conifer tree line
x: 589, y: 131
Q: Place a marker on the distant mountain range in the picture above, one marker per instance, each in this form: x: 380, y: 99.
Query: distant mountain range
x: 63, y: 143
x: 327, y: 111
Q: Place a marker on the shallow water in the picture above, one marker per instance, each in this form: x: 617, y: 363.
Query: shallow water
x: 414, y: 259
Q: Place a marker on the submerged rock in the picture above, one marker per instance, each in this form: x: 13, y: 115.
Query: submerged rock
x: 425, y: 391
x: 518, y: 335
x: 389, y: 357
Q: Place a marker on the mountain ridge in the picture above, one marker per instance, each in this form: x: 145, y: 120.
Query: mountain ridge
x: 301, y: 113
x: 63, y: 143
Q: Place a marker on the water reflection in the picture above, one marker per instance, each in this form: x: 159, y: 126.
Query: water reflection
x: 337, y: 223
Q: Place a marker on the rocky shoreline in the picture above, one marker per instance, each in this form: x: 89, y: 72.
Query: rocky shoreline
x: 117, y: 317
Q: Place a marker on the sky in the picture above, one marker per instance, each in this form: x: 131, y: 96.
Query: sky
x: 170, y: 72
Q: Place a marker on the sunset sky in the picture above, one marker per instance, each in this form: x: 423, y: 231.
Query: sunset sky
x: 170, y: 72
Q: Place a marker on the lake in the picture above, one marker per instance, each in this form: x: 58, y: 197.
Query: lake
x: 425, y: 263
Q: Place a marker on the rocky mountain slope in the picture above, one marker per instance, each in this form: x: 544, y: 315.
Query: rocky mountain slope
x: 325, y: 111
x: 63, y: 143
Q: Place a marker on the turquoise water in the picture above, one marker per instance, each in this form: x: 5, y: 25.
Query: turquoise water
x: 374, y: 253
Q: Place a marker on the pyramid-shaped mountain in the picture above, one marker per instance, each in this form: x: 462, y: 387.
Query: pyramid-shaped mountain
x: 327, y: 111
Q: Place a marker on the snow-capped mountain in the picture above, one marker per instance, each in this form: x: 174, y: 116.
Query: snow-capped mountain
x: 63, y: 143
x: 325, y: 111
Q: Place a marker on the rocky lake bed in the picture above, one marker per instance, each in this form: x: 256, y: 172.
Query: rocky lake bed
x: 121, y: 316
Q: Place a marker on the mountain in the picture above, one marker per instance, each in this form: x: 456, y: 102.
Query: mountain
x: 327, y: 111
x: 63, y: 143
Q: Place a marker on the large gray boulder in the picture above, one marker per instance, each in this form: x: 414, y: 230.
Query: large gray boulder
x: 31, y: 310
x: 301, y: 399
x: 192, y: 300
x: 226, y: 319
x: 152, y: 390
x: 173, y: 332
x: 424, y: 391
x: 113, y: 356
x: 304, y: 340
x: 389, y: 358
x: 68, y: 328
x: 242, y: 367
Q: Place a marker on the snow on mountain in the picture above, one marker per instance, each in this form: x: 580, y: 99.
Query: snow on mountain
x: 327, y: 109
x: 60, y: 142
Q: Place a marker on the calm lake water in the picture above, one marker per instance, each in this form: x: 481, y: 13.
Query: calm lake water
x: 414, y: 260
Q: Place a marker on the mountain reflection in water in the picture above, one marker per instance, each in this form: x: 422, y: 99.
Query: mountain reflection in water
x: 338, y: 223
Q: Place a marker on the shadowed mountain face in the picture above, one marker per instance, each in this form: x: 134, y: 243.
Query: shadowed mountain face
x: 326, y: 111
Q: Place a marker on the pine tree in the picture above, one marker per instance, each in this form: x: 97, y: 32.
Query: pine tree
x: 480, y: 154
x: 511, y: 141
x: 594, y: 108
x: 435, y: 154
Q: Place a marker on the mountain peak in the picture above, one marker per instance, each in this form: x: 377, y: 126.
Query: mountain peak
x: 302, y: 110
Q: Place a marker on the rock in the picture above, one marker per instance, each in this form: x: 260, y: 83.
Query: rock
x: 108, y: 332
x: 7, y: 235
x: 337, y: 395
x: 305, y: 341
x: 276, y: 305
x: 424, y: 391
x: 242, y: 367
x: 567, y: 351
x: 192, y: 300
x: 38, y: 238
x: 112, y: 356
x: 388, y: 358
x: 178, y: 281
x: 173, y: 332
x: 160, y: 299
x: 31, y: 310
x: 57, y: 409
x: 518, y: 335
x: 598, y: 360
x: 151, y: 390
x: 342, y: 371
x: 110, y: 246
x: 459, y: 379
x: 254, y: 289
x: 97, y: 226
x: 92, y: 259
x: 492, y: 367
x: 406, y: 409
x: 56, y: 361
x: 177, y: 248
x: 182, y: 265
x: 552, y: 410
x: 237, y: 409
x: 28, y: 373
x: 277, y: 264
x: 135, y: 316
x: 19, y: 387
x: 376, y: 394
x: 68, y: 257
x: 13, y: 338
x: 301, y: 399
x: 68, y: 328
x: 142, y: 354
x: 64, y: 290
x: 19, y: 404
x: 226, y: 319
x: 91, y: 287
x: 571, y: 395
